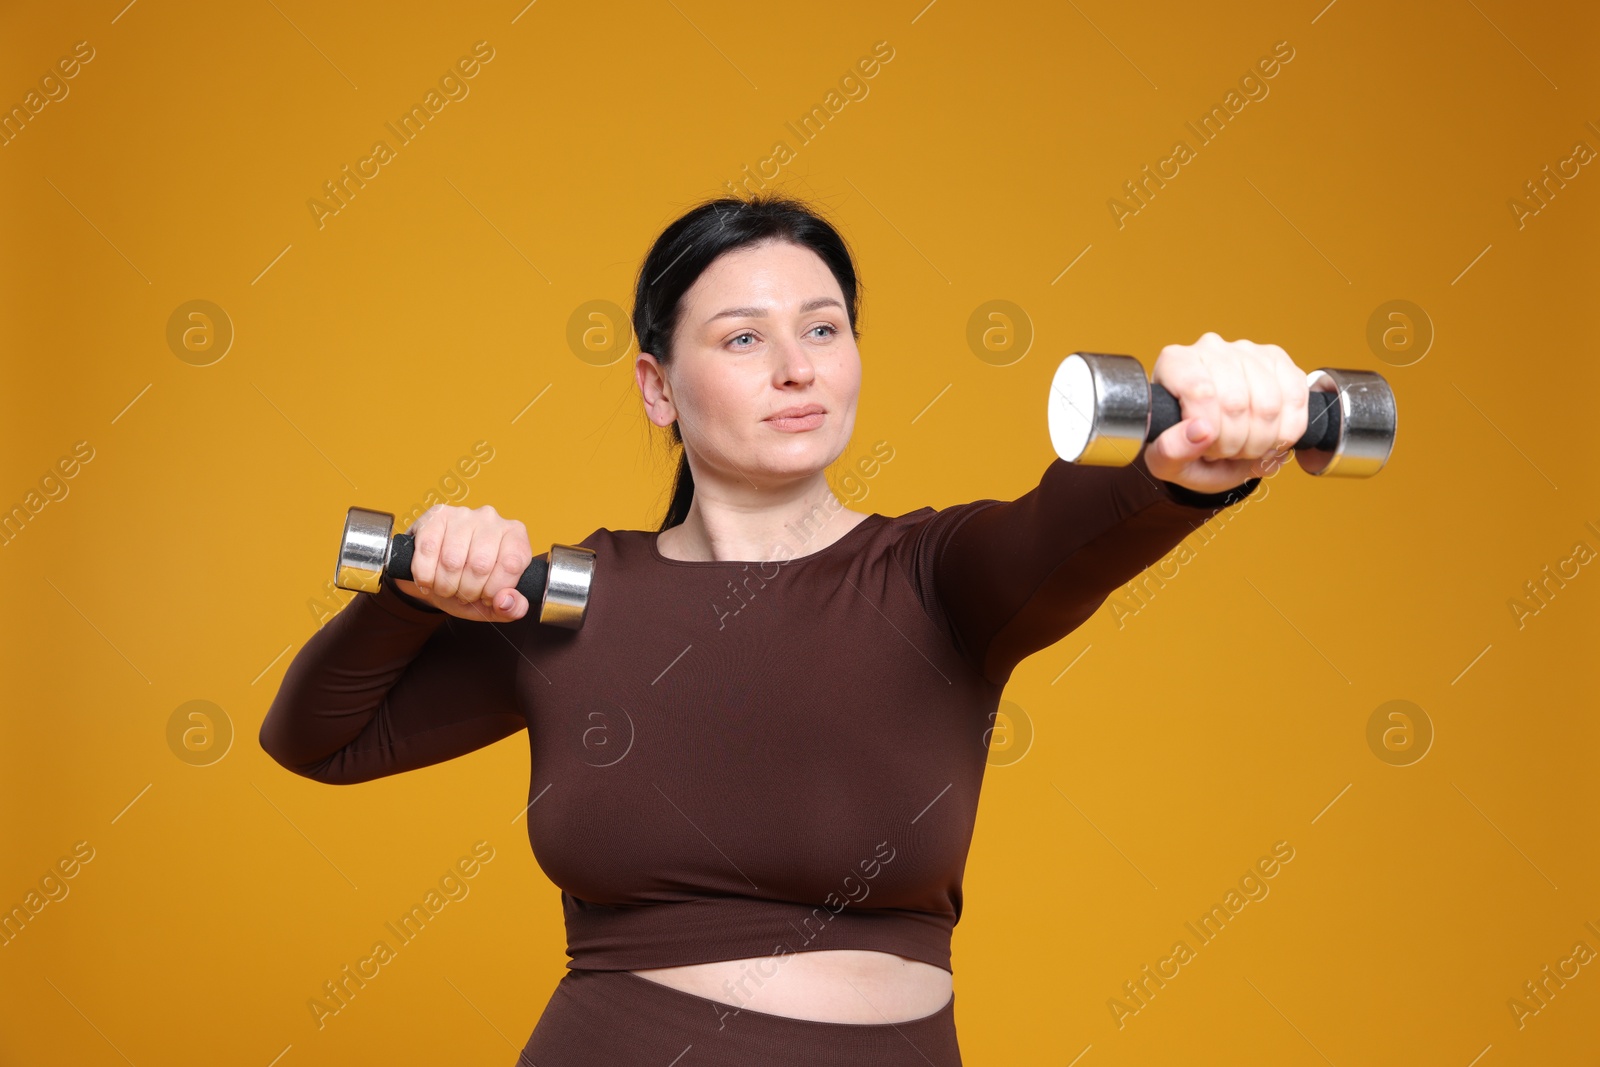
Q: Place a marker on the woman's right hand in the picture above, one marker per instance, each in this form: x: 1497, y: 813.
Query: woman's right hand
x: 466, y: 562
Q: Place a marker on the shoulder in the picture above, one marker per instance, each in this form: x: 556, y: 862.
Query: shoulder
x: 929, y: 519
x: 914, y: 538
x: 605, y: 541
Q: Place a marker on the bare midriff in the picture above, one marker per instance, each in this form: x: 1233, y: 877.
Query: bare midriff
x: 824, y: 985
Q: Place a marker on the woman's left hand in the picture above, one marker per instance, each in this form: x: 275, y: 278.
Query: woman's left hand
x: 1243, y: 406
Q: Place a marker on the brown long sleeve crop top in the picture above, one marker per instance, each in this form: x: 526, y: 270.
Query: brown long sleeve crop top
x: 737, y: 759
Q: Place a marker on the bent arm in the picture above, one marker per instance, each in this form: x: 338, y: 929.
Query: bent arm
x: 388, y: 685
x: 1014, y: 577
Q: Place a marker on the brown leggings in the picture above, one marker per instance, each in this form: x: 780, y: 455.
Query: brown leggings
x: 620, y: 1019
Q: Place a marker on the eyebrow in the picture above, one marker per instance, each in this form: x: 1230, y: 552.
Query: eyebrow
x: 761, y: 313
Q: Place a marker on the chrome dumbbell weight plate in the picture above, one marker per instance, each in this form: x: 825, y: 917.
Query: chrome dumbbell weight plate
x: 1099, y: 409
x: 1368, y: 421
x: 363, y: 550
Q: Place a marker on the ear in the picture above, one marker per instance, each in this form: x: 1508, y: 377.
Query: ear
x: 655, y: 389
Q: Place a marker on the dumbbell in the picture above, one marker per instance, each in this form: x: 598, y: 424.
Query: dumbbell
x: 1103, y: 410
x: 370, y: 551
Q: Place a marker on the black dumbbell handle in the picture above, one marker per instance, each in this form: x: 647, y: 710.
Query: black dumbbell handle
x: 1322, y: 418
x: 531, y: 584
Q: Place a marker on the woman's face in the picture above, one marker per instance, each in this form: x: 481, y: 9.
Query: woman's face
x: 762, y: 330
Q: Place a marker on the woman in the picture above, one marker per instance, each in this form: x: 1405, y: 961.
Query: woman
x: 755, y: 769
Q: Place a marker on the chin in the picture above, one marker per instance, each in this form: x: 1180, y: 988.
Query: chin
x: 801, y: 459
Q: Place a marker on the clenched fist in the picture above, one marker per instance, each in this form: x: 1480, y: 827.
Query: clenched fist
x: 1243, y: 407
x: 466, y: 562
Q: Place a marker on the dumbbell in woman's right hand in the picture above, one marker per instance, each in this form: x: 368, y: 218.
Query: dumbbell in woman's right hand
x: 466, y: 562
x: 473, y: 556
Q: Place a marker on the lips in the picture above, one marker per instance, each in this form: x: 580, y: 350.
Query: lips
x: 797, y: 419
x: 797, y: 412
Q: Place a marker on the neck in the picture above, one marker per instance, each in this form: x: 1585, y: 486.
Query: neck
x: 718, y: 528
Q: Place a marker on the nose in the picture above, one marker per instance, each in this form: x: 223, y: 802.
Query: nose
x: 793, y: 364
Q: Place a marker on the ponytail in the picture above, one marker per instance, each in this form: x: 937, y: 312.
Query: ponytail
x: 682, y: 485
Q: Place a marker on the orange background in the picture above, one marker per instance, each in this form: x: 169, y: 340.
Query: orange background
x: 1228, y: 713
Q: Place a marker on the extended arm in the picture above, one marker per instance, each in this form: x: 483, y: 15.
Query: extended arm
x: 388, y: 685
x: 1013, y: 577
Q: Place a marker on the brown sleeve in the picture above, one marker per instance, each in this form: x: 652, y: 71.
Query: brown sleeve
x: 388, y: 685
x: 1008, y: 578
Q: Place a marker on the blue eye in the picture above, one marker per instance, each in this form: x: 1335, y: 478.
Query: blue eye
x: 820, y: 326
